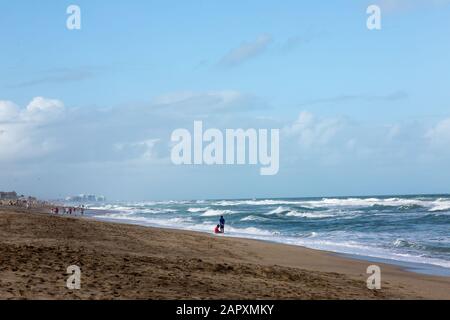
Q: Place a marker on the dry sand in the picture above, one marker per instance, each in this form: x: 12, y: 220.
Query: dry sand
x: 131, y: 262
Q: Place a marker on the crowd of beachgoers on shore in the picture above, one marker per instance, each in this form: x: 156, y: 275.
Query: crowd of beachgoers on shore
x: 34, y: 203
x: 68, y: 210
x: 25, y: 203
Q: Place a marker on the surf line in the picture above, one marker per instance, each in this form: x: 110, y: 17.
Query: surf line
x: 235, y: 146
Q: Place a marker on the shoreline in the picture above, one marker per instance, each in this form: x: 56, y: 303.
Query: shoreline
x: 413, y: 267
x: 138, y: 262
x: 409, y: 266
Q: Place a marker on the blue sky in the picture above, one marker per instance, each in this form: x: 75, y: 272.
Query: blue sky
x: 91, y: 111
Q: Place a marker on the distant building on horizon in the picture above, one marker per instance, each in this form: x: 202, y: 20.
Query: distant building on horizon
x: 8, y: 195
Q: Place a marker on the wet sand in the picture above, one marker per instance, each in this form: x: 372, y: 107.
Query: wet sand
x: 131, y: 262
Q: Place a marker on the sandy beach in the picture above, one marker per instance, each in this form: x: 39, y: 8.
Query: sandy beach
x: 132, y: 262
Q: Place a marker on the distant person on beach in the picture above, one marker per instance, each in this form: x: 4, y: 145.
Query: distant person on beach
x: 217, y: 229
x: 222, y: 224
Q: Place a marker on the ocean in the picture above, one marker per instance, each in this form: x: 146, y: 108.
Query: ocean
x: 411, y: 231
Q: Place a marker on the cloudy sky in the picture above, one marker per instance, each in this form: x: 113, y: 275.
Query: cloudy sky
x: 91, y: 111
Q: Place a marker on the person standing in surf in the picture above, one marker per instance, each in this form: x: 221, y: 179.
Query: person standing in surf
x: 222, y: 224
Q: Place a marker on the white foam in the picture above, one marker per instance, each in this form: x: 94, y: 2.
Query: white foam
x: 253, y: 218
x: 127, y: 217
x: 339, y: 202
x: 402, y: 243
x: 195, y: 210
x: 279, y: 210
x: 250, y: 231
x: 226, y: 203
x: 294, y: 213
x: 132, y: 209
x: 440, y: 205
x: 361, y: 202
x: 110, y: 207
x: 156, y: 211
x: 212, y: 213
x: 311, y: 215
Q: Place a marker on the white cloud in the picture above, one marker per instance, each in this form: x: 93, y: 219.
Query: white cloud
x: 43, y: 110
x: 246, y: 51
x: 21, y: 134
x: 310, y: 131
x: 222, y: 97
x: 439, y: 135
x: 44, y: 135
x: 61, y: 76
x: 333, y: 140
x: 45, y: 128
x: 8, y: 111
x: 140, y: 151
x: 38, y: 110
x: 204, y: 103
